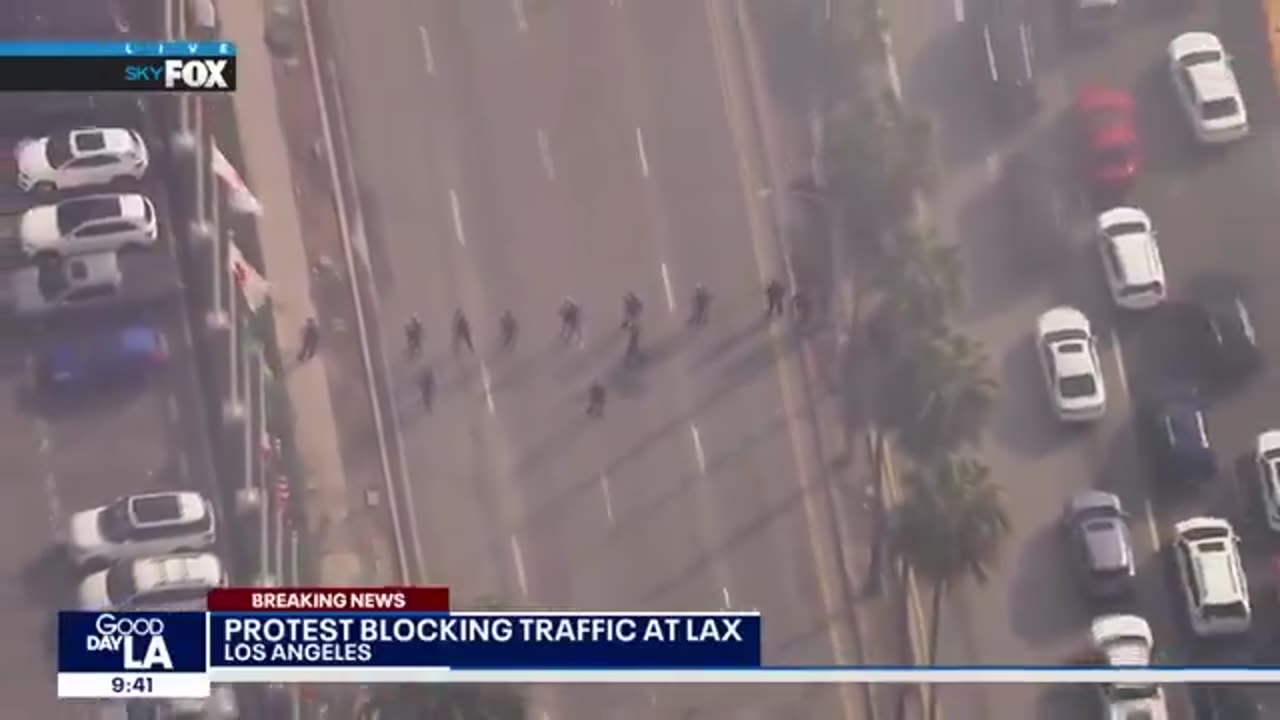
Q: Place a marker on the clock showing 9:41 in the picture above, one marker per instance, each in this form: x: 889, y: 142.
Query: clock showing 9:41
x: 133, y: 685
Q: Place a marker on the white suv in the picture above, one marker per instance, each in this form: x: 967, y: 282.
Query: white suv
x: 80, y: 281
x: 1125, y: 641
x: 1207, y: 89
x: 90, y: 224
x: 80, y: 158
x: 1207, y: 553
x: 166, y: 581
x: 1131, y: 258
x: 137, y: 526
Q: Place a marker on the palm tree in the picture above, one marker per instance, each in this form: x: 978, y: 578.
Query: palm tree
x: 949, y: 527
x: 922, y: 284
x: 881, y: 158
x: 937, y: 394
x: 452, y: 702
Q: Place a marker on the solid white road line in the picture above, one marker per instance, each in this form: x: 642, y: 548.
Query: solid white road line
x: 1119, y: 353
x: 544, y: 151
x: 522, y: 23
x: 728, y: 602
x: 817, y: 131
x: 1153, y: 530
x: 959, y: 8
x: 171, y: 406
x: 666, y: 287
x: 486, y: 380
x: 456, y: 206
x: 428, y: 58
x: 697, y: 448
x: 517, y: 557
x: 183, y: 468
x: 644, y: 158
x: 608, y: 497
x: 827, y: 10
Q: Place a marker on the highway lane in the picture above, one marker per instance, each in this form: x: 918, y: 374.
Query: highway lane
x: 568, y: 181
x: 1191, y: 197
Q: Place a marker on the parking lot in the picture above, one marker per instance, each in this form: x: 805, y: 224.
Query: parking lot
x: 84, y: 449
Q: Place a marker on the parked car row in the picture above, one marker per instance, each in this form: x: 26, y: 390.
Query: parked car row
x: 1218, y: 332
x: 65, y: 251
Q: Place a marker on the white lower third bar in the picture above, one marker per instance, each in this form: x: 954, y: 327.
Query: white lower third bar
x: 126, y: 685
x: 762, y: 676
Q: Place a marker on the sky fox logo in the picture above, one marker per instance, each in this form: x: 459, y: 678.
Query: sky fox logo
x: 117, y: 635
x: 192, y: 74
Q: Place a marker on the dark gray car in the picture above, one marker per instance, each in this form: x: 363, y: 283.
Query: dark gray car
x: 1097, y: 530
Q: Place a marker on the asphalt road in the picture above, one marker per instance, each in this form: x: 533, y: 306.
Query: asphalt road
x: 76, y: 454
x: 1213, y: 212
x: 511, y: 155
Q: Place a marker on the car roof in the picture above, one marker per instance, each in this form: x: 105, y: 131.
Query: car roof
x: 97, y: 141
x: 1135, y: 254
x: 1213, y: 81
x: 1072, y: 357
x: 1215, y: 575
x: 166, y: 508
x: 183, y: 569
x: 1268, y: 440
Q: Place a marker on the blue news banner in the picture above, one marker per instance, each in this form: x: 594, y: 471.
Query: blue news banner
x: 122, y: 654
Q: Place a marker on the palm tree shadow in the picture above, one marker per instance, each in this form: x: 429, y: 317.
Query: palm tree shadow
x: 1038, y: 583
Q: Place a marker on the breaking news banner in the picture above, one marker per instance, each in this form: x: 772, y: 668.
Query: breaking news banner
x: 136, y: 66
x: 403, y: 635
x: 132, y: 654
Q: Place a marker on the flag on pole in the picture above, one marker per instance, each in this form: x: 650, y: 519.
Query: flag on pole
x: 252, y: 284
x: 239, y: 197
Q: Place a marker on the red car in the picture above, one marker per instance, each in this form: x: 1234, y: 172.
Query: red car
x: 1110, y: 137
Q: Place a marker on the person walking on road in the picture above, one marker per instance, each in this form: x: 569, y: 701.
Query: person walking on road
x: 701, y: 305
x: 427, y: 387
x: 632, y: 306
x: 413, y: 336
x: 508, y: 329
x: 310, y: 340
x: 595, y: 400
x: 570, y: 320
x: 462, y: 332
x: 774, y: 294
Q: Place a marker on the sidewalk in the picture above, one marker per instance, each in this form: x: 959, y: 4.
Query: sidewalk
x: 338, y: 532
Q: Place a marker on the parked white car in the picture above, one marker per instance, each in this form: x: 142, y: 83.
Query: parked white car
x: 136, y: 526
x: 89, y: 224
x: 80, y: 281
x: 1207, y: 89
x: 80, y: 158
x: 1266, y: 454
x: 180, y: 580
x: 1068, y: 355
x: 1207, y: 553
x: 1131, y: 258
x: 1125, y: 641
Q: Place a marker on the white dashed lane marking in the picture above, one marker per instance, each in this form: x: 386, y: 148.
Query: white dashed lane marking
x: 644, y: 156
x: 428, y: 57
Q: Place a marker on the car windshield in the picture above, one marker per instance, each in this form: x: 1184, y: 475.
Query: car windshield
x: 1203, y: 533
x: 120, y: 584
x: 57, y: 151
x: 1220, y: 108
x: 1077, y: 386
x: 1133, y: 692
x: 1200, y: 57
x: 1142, y: 289
x: 1226, y: 611
x: 1121, y: 229
x: 52, y: 281
x: 113, y: 521
x: 74, y: 213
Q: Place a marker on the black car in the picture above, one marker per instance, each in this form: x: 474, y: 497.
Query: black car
x: 1178, y: 432
x: 1008, y: 55
x: 1221, y: 338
